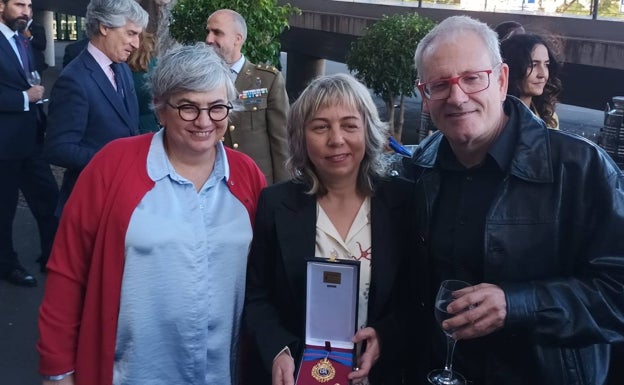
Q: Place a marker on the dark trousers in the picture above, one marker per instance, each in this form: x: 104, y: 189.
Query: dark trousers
x: 34, y: 178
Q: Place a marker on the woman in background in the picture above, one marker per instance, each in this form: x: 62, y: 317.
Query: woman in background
x: 141, y: 61
x: 339, y: 204
x: 508, y: 28
x: 533, y: 74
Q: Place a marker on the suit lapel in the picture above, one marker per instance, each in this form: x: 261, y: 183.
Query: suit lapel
x: 7, y: 52
x: 296, y: 230
x: 104, y: 84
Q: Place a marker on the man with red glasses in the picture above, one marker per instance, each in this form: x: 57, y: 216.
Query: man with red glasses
x: 532, y: 218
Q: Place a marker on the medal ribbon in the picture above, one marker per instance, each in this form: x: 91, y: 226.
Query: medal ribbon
x: 343, y: 358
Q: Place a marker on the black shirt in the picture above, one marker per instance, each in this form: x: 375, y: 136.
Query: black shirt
x: 457, y: 241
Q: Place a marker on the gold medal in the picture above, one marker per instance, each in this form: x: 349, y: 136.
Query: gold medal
x: 323, y: 371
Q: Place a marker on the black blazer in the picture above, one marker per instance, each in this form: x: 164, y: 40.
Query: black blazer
x: 38, y: 45
x: 284, y: 237
x: 20, y: 129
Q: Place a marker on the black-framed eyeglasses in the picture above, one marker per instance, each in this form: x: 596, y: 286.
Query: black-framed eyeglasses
x: 469, y: 83
x: 190, y: 112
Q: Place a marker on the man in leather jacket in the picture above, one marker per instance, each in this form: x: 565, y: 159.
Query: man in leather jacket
x: 531, y: 217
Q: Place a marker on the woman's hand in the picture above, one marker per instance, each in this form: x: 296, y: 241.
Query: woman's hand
x: 370, y: 356
x: 283, y: 371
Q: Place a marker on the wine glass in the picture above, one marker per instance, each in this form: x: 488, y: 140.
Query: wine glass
x: 444, y: 297
x: 34, y: 79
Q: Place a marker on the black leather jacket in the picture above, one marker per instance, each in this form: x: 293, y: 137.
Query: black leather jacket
x: 554, y: 242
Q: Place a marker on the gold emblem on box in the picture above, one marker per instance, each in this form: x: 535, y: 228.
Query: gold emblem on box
x: 323, y: 371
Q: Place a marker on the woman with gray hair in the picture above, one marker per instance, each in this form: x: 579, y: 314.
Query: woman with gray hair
x: 146, y: 277
x: 339, y: 205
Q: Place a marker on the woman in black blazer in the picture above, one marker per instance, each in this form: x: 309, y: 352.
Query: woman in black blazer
x: 339, y: 204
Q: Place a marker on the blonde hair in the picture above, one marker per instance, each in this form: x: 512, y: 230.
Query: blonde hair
x: 139, y: 59
x: 332, y: 90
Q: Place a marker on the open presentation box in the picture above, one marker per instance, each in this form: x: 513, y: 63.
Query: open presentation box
x: 331, y: 321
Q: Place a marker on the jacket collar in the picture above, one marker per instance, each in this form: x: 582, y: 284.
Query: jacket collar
x: 531, y: 159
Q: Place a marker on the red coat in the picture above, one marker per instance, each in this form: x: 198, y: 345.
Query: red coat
x: 78, y: 316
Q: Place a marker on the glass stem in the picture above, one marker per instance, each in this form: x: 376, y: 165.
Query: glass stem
x: 450, y: 349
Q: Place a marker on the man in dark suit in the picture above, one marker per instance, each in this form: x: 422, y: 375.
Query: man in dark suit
x: 94, y: 101
x: 259, y: 129
x: 21, y: 165
x: 74, y: 49
x: 36, y: 35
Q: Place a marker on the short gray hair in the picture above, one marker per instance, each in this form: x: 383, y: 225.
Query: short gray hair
x: 113, y: 14
x: 331, y: 90
x: 239, y: 21
x: 455, y: 28
x: 189, y: 68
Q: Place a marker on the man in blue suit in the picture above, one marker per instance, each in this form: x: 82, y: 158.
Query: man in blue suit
x: 22, y: 123
x: 93, y: 101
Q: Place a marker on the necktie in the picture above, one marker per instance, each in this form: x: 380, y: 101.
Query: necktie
x: 118, y: 79
x: 22, y: 47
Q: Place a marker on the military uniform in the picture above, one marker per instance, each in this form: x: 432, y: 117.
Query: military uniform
x: 258, y: 128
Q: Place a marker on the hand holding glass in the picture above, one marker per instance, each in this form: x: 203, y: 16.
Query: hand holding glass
x: 444, y: 297
x: 34, y: 79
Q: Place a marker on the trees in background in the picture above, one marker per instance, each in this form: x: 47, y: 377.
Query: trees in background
x: 383, y: 59
x: 265, y: 22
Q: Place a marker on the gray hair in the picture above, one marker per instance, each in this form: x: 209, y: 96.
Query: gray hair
x: 455, y: 28
x: 189, y: 68
x: 326, y: 91
x: 239, y: 21
x: 113, y: 14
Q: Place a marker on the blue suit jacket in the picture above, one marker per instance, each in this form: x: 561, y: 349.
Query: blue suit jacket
x: 19, y: 129
x: 86, y: 113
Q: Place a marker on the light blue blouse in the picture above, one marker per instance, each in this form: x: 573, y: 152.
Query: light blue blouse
x: 184, y: 279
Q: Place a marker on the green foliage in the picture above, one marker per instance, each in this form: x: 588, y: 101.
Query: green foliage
x: 265, y: 22
x: 383, y: 57
x: 609, y: 8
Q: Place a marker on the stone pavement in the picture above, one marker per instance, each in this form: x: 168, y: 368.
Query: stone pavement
x: 19, y: 306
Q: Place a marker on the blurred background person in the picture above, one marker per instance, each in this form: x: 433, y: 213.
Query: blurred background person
x: 344, y: 206
x: 140, y: 62
x: 508, y: 29
x: 72, y: 50
x: 94, y: 101
x: 36, y: 34
x: 259, y: 129
x: 533, y: 74
x: 147, y: 276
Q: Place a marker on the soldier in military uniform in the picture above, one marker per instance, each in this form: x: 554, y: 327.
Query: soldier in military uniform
x: 259, y: 129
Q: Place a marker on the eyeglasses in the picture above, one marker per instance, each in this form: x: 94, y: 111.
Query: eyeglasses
x: 469, y: 83
x: 190, y: 112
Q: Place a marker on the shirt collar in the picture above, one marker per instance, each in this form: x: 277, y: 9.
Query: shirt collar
x: 100, y: 57
x: 237, y: 66
x: 159, y: 166
x: 6, y: 31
